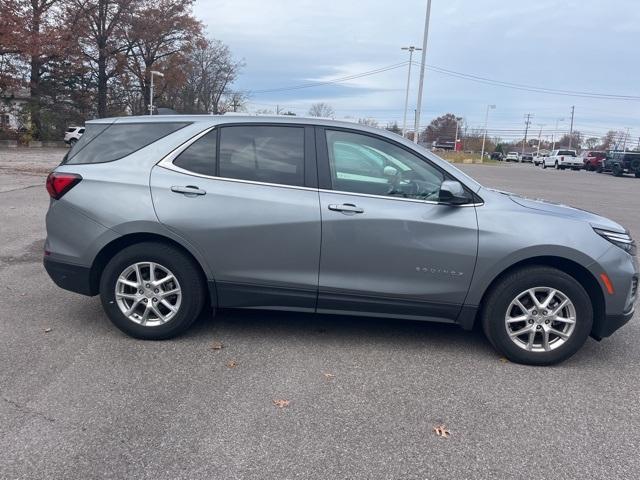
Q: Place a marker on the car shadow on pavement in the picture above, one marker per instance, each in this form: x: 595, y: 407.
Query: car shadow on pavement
x: 338, y: 329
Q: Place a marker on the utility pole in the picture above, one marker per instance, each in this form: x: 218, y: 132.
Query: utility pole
x: 573, y: 110
x: 484, y: 136
x: 455, y: 141
x: 527, y: 122
x: 411, y: 49
x: 624, y: 145
x: 553, y: 135
x: 539, y: 139
x: 422, y: 68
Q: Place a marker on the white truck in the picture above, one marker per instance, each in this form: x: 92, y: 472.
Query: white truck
x: 561, y: 159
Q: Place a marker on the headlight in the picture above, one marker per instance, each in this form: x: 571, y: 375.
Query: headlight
x: 622, y: 240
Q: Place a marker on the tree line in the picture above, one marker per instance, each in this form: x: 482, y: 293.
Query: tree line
x: 444, y: 128
x: 82, y: 59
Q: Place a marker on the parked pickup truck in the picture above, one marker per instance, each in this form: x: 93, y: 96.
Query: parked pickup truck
x: 619, y: 163
x: 593, y: 160
x: 561, y: 159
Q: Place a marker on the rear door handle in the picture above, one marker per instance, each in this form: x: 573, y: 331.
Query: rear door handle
x: 188, y: 190
x: 346, y: 207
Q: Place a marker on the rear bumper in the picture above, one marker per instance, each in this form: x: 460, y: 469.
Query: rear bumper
x: 610, y: 324
x: 74, y: 278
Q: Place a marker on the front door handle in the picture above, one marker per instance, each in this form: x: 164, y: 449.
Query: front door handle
x: 346, y: 208
x: 188, y: 190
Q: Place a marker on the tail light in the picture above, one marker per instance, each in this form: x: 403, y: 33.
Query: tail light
x: 59, y: 183
x: 562, y: 159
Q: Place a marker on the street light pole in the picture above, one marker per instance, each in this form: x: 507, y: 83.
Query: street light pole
x: 422, y: 68
x: 553, y: 135
x: 484, y: 136
x: 160, y: 74
x: 406, y: 98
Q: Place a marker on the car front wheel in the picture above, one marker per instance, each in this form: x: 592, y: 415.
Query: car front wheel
x: 537, y: 316
x: 152, y: 291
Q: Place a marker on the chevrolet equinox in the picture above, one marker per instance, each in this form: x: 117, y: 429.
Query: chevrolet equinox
x: 163, y: 216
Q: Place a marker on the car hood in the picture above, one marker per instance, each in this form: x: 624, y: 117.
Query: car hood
x: 566, y: 211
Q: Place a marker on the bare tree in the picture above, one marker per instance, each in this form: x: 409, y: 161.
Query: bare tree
x: 369, y: 122
x: 321, y: 109
x: 209, y: 70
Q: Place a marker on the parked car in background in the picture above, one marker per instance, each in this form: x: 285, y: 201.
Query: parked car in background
x: 592, y: 160
x: 526, y: 157
x: 497, y: 156
x: 72, y: 135
x: 537, y: 157
x: 561, y: 159
x: 620, y: 163
x: 512, y: 157
x: 322, y: 216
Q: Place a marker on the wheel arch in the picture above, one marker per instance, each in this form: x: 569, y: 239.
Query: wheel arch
x: 581, y: 274
x: 107, y: 252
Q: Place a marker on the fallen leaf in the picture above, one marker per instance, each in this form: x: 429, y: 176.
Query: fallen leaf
x: 281, y: 403
x: 328, y: 375
x: 504, y: 360
x: 47, y: 330
x: 217, y: 346
x: 232, y: 364
x: 441, y: 431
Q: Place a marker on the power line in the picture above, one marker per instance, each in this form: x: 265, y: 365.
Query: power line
x: 531, y: 88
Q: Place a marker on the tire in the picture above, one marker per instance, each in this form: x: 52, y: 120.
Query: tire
x: 637, y: 174
x: 497, y: 305
x: 617, y: 170
x: 72, y: 142
x: 599, y: 170
x: 556, y: 166
x: 544, y: 165
x: 190, y: 283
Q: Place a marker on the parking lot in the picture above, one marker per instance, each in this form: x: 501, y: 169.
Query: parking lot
x: 82, y: 400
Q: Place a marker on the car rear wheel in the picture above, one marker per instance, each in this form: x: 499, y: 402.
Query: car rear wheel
x: 544, y: 165
x: 152, y: 291
x: 617, y: 170
x: 537, y: 316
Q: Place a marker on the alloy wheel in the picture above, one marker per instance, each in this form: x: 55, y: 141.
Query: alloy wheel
x: 148, y: 294
x: 540, y: 319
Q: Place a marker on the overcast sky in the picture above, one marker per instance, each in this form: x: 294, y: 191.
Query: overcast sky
x: 589, y: 45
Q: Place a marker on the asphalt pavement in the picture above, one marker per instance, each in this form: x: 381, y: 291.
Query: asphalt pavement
x: 82, y: 400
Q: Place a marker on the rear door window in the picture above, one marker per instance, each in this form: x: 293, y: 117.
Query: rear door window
x: 109, y: 142
x: 200, y: 156
x: 270, y: 154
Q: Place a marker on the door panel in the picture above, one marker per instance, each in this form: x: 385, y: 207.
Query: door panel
x: 262, y: 242
x: 388, y: 246
x: 403, y: 257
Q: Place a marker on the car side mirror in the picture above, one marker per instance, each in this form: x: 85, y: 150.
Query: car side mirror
x: 453, y: 193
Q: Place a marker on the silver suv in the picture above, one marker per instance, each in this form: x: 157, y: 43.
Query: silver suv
x: 164, y: 216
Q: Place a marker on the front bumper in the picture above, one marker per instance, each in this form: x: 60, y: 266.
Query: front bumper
x: 74, y: 278
x: 610, y: 324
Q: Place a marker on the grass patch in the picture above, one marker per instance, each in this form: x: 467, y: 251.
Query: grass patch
x: 461, y: 157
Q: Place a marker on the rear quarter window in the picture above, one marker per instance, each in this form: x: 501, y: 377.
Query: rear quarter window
x: 108, y: 142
